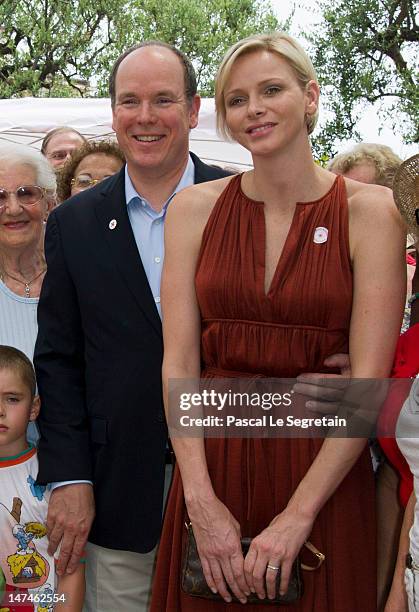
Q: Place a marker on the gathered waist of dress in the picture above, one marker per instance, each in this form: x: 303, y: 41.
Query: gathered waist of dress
x: 273, y: 324
x: 222, y: 373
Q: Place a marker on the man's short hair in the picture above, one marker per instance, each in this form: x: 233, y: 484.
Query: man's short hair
x: 13, y: 359
x: 64, y: 129
x: 188, y: 69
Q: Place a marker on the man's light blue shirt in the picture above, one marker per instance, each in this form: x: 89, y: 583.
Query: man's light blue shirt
x: 148, y: 229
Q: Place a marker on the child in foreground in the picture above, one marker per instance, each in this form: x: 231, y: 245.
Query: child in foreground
x: 31, y: 584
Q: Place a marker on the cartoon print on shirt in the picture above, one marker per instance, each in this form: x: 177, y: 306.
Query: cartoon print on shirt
x: 47, y: 597
x: 36, y: 490
x: 28, y: 568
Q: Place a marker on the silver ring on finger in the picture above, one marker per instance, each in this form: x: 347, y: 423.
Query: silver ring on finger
x: 274, y: 568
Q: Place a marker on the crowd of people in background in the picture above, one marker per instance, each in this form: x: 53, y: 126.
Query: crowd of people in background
x: 289, y: 270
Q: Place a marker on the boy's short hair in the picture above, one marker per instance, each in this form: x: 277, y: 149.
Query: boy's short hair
x: 13, y: 359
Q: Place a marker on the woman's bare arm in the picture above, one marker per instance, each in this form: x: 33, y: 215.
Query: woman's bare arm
x: 216, y: 531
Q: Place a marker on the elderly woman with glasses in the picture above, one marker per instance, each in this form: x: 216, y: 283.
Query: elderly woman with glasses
x: 27, y: 194
x: 87, y: 166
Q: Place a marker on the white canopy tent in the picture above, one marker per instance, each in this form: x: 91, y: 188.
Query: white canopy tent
x: 27, y: 120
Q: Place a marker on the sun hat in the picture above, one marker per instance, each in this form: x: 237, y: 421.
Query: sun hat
x: 406, y: 193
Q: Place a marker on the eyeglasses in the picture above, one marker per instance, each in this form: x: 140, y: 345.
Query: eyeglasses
x: 26, y: 195
x: 84, y: 182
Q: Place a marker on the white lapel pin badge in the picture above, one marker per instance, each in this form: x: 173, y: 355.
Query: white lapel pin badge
x: 320, y: 235
x: 112, y: 224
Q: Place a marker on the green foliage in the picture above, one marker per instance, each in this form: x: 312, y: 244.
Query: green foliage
x: 50, y: 47
x: 60, y: 47
x: 202, y: 29
x: 366, y: 52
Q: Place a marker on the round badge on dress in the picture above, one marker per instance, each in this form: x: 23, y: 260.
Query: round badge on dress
x: 320, y: 235
x: 112, y: 224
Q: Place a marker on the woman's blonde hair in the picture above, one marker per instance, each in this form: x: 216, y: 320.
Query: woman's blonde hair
x: 381, y: 157
x: 275, y: 42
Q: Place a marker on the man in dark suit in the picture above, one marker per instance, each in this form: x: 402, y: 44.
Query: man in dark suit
x: 99, y: 348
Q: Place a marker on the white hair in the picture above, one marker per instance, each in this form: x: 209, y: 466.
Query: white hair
x: 17, y: 154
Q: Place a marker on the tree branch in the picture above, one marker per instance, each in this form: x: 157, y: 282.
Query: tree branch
x: 392, y: 11
x: 404, y: 13
x: 382, y: 94
x: 394, y: 53
x: 410, y: 35
x: 90, y: 33
x: 70, y: 83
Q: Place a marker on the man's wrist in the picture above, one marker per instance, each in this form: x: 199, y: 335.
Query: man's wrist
x: 56, y: 485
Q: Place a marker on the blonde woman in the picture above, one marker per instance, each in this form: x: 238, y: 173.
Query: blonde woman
x: 266, y: 274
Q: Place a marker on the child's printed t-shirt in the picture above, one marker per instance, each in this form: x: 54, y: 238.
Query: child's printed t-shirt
x: 28, y: 569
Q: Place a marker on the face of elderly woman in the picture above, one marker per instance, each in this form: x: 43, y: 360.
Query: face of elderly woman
x: 363, y: 172
x: 92, y: 169
x: 20, y: 225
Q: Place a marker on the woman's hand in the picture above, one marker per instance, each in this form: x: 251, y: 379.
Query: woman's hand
x: 277, y: 546
x: 217, y: 535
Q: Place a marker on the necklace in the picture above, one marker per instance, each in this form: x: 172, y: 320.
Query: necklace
x: 26, y: 284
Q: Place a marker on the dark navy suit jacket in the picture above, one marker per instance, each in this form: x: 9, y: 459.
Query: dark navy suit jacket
x: 98, y: 361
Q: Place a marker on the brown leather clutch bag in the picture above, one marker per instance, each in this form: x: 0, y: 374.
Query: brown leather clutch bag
x: 194, y: 583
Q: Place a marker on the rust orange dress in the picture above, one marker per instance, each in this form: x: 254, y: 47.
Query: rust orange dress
x: 302, y: 319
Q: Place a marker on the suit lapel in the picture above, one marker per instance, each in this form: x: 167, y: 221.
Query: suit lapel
x: 204, y: 173
x: 201, y: 174
x: 111, y: 208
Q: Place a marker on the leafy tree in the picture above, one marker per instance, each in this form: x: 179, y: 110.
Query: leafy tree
x: 59, y: 47
x: 51, y: 47
x: 203, y: 29
x: 366, y: 52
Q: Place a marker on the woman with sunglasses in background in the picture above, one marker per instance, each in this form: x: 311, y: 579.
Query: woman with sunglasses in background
x: 87, y: 166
